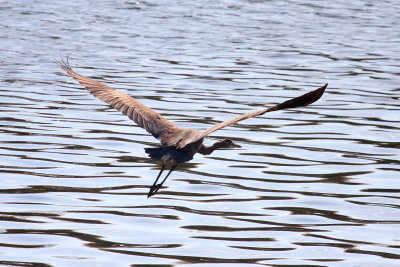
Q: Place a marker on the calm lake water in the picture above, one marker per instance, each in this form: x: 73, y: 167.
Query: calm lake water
x: 314, y: 186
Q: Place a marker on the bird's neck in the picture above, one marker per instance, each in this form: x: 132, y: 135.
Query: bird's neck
x: 207, y: 150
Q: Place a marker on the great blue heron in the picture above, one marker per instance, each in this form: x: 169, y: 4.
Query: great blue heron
x: 178, y: 144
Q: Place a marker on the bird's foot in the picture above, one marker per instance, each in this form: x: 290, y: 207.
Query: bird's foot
x: 154, y: 189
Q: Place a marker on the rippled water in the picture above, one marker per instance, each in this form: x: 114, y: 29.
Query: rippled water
x: 315, y: 186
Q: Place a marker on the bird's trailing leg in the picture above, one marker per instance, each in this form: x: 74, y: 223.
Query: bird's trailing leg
x: 155, y: 187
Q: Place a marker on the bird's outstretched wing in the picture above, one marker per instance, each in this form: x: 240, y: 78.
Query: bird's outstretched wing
x: 300, y: 101
x: 144, y: 116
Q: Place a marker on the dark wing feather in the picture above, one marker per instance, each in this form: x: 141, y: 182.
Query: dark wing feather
x: 300, y: 101
x: 144, y: 116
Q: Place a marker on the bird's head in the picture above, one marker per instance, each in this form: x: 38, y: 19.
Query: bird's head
x: 227, y: 143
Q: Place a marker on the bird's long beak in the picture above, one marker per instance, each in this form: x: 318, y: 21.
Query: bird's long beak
x: 236, y: 145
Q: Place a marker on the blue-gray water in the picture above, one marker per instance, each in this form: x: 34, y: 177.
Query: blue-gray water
x: 315, y: 186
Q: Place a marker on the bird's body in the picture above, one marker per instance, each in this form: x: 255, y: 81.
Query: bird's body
x: 174, y: 155
x: 179, y: 145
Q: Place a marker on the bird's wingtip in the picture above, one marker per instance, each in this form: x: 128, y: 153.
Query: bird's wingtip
x: 317, y: 93
x: 320, y: 91
x: 63, y: 63
x: 322, y: 88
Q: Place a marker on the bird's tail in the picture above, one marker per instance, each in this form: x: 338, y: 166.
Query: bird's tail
x: 168, y: 154
x: 157, y: 153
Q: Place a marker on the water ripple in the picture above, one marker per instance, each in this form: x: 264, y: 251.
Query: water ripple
x: 315, y: 186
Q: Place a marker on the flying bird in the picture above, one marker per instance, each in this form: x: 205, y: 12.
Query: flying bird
x: 178, y: 144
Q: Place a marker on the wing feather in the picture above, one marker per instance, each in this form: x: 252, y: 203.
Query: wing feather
x: 300, y: 101
x: 163, y: 129
x: 144, y: 116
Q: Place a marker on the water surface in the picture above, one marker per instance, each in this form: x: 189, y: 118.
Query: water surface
x: 315, y: 186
